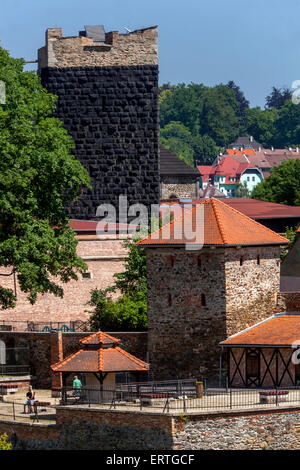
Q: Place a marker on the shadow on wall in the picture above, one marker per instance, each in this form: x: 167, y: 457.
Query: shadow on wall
x: 92, y: 436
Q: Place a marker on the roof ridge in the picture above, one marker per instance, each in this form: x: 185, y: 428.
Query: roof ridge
x: 133, y: 358
x: 247, y: 217
x: 66, y: 360
x: 183, y: 214
x: 218, y: 219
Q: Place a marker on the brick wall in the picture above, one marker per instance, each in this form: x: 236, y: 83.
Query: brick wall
x: 104, y: 258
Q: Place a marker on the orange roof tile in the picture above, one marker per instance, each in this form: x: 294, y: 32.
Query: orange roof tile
x: 212, y: 222
x: 100, y: 338
x: 278, y: 330
x: 105, y: 357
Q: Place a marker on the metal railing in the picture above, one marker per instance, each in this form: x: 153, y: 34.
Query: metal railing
x: 14, y: 370
x: 16, y: 411
x: 197, y: 398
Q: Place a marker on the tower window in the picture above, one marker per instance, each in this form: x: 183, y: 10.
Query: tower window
x: 203, y: 300
x: 87, y: 275
x: 258, y: 259
x: 241, y: 261
x: 199, y: 262
x: 169, y: 300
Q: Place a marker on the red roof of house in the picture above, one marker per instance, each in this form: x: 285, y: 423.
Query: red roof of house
x: 245, y: 151
x: 100, y: 354
x: 93, y: 225
x: 212, y: 222
x: 205, y: 171
x: 230, y: 167
x: 278, y: 330
x: 257, y: 209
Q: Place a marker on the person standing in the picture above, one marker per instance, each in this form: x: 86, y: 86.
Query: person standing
x: 77, y: 386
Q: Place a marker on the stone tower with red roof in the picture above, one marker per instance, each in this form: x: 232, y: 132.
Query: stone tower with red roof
x: 198, y: 296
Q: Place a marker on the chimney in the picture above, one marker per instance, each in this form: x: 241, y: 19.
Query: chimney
x: 251, y: 138
x: 272, y: 149
x: 297, y: 149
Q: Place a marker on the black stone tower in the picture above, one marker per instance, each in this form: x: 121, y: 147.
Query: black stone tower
x: 107, y: 88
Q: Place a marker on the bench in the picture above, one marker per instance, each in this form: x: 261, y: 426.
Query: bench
x: 273, y: 396
x: 41, y: 404
x: 152, y: 398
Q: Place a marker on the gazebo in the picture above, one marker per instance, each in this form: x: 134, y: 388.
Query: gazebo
x: 100, y: 359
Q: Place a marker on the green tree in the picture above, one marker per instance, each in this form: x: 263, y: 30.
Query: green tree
x: 4, y: 443
x: 129, y: 311
x: 178, y: 139
x: 261, y: 124
x: 242, y: 190
x: 282, y: 186
x: 38, y: 177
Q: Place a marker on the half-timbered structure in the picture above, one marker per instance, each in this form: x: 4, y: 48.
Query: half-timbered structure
x: 265, y: 355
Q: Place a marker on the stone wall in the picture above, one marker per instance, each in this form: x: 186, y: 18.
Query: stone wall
x: 288, y: 302
x: 196, y: 299
x: 108, y: 101
x: 184, y: 327
x: 103, y: 256
x: 272, y: 431
x: 251, y: 288
x: 176, y: 186
x: 139, y: 47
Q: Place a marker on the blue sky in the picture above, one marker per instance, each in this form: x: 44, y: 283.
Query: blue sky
x: 255, y: 43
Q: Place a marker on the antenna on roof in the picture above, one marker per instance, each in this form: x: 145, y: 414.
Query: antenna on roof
x: 127, y: 29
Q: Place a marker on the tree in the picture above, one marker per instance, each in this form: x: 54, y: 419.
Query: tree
x: 240, y: 97
x: 242, y: 190
x: 4, y: 443
x: 282, y: 186
x: 38, y: 178
x: 178, y: 139
x: 129, y: 311
x: 262, y: 125
x: 278, y: 97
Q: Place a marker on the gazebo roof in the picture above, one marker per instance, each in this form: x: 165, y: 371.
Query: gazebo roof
x: 100, y: 354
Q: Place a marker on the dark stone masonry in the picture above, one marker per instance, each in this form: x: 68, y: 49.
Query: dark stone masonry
x: 108, y: 101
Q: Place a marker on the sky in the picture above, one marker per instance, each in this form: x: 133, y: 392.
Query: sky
x: 255, y: 43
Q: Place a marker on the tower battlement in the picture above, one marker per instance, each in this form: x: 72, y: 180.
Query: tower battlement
x: 94, y: 47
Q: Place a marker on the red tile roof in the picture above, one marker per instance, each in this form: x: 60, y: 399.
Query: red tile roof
x: 257, y: 209
x: 215, y: 223
x: 278, y: 330
x: 100, y: 338
x: 100, y: 354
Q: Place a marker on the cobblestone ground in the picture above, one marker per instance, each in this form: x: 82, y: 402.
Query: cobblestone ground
x: 268, y: 432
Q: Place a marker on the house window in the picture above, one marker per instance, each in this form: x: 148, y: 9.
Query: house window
x: 248, y: 178
x: 253, y: 178
x: 87, y: 275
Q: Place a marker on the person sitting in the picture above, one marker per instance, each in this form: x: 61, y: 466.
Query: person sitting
x: 29, y: 400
